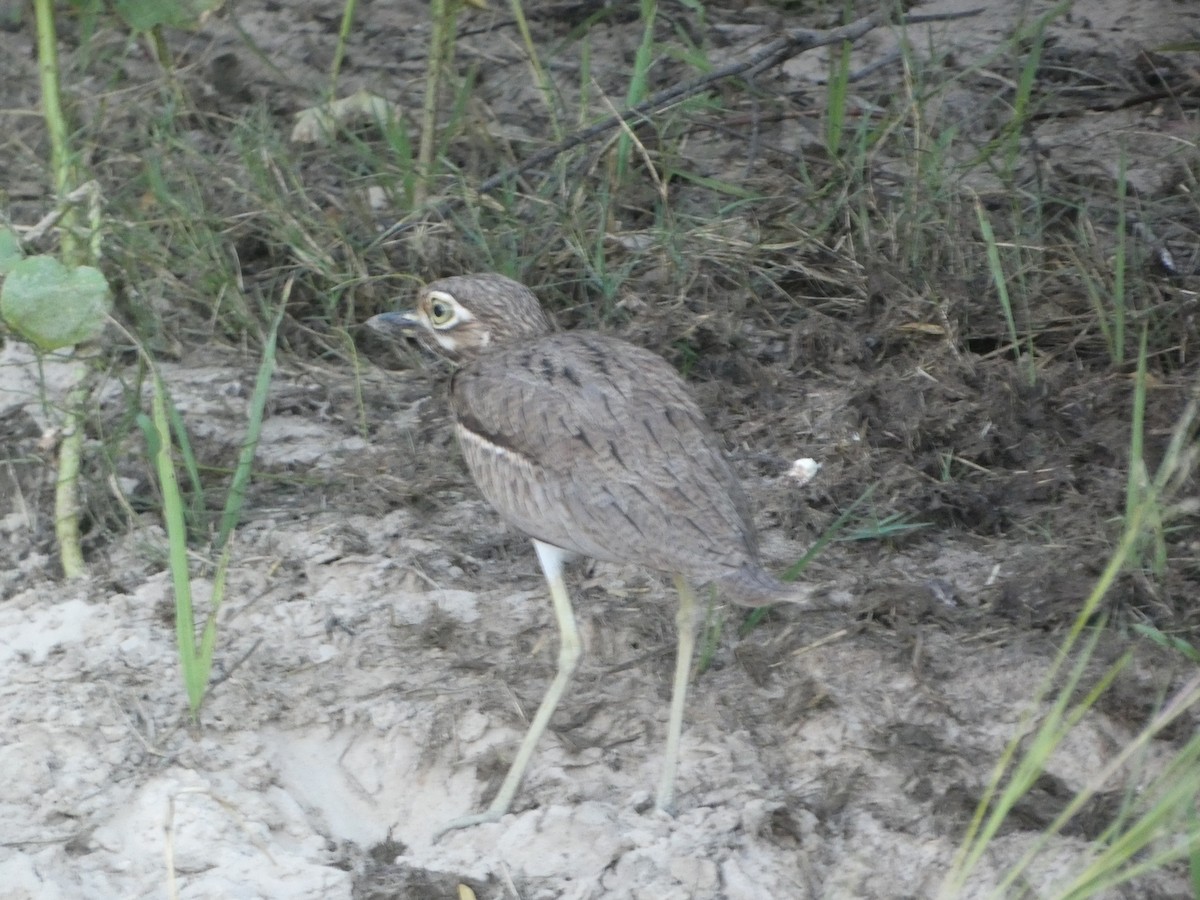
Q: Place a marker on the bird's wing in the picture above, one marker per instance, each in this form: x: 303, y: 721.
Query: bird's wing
x: 595, y: 445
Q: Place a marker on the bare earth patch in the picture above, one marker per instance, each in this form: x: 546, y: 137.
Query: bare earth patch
x: 385, y: 638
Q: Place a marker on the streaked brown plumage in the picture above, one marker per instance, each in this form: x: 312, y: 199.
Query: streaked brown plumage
x: 592, y: 446
x: 628, y: 470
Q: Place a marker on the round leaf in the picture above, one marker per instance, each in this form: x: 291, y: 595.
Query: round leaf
x: 52, y: 306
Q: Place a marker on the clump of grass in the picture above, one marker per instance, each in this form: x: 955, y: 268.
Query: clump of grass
x: 164, y: 431
x: 1160, y: 827
x: 1030, y: 43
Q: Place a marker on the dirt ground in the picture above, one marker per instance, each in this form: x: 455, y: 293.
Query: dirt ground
x: 385, y: 638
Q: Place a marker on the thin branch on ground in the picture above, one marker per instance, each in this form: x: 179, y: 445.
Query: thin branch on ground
x: 793, y: 43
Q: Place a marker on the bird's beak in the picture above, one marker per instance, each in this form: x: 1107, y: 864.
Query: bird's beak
x: 395, y: 324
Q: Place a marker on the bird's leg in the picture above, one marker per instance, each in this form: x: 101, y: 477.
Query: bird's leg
x: 569, y: 651
x: 685, y: 621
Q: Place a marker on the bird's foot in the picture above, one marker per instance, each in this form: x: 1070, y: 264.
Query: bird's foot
x: 483, y: 818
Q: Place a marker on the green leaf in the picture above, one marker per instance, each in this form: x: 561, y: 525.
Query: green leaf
x: 146, y: 15
x: 1170, y: 641
x: 147, y: 427
x: 10, y: 249
x: 51, y: 306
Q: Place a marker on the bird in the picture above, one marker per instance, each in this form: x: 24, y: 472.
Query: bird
x: 595, y: 447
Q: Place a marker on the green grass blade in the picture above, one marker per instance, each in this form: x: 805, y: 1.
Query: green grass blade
x: 983, y: 827
x: 639, y: 80
x: 835, y: 100
x: 1138, y: 483
x: 258, y: 402
x: 1168, y: 802
x: 195, y: 675
x: 1172, y: 473
x: 543, y: 81
x: 339, y: 51
x: 1194, y: 854
x: 716, y: 185
x: 1046, y: 741
x: 997, y: 271
x: 793, y: 571
x: 188, y: 458
x: 1169, y: 641
x: 883, y: 529
x: 827, y: 536
x: 1118, y: 324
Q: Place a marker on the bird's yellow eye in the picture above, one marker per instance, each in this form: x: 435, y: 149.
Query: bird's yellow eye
x: 440, y: 312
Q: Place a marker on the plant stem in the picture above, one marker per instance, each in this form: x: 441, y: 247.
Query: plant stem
x: 66, y: 491
x: 66, y: 494
x: 56, y: 125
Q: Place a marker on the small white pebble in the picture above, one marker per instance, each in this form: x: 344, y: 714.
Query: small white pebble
x: 130, y: 645
x: 323, y: 653
x: 803, y: 470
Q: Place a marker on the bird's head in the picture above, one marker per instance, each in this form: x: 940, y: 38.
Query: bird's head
x: 464, y: 316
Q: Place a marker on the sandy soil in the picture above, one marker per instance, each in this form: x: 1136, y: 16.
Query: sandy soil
x: 376, y: 668
x: 382, y: 648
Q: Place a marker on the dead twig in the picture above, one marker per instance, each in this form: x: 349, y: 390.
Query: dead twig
x: 793, y: 43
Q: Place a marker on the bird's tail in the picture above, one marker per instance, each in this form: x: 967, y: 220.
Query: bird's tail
x: 754, y: 586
